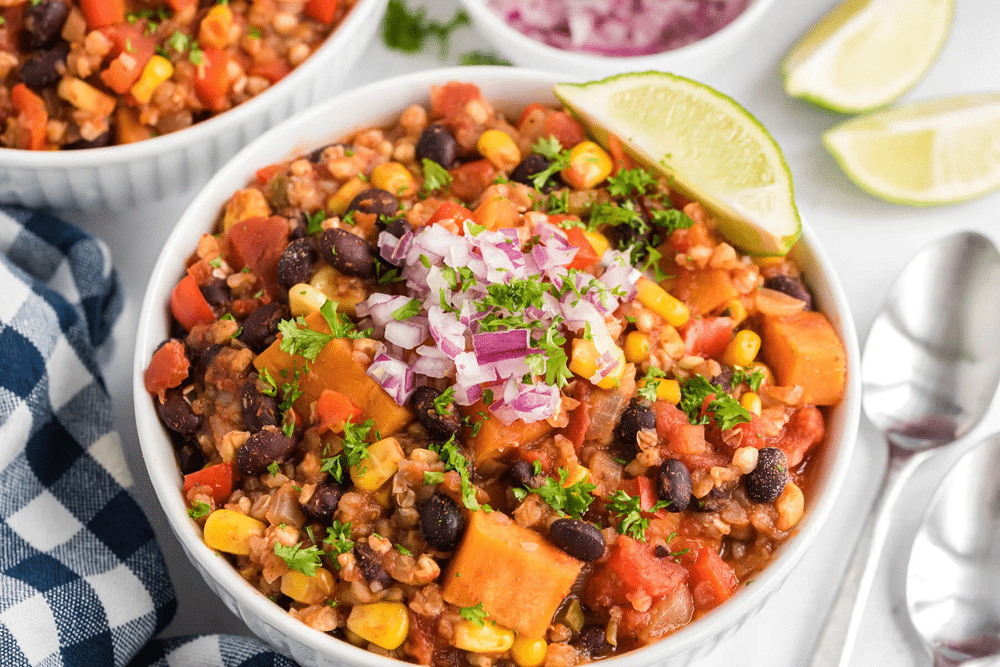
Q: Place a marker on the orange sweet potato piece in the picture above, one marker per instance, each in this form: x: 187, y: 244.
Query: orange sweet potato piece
x: 704, y: 291
x: 520, y: 577
x: 804, y: 350
x: 494, y: 440
x: 335, y: 368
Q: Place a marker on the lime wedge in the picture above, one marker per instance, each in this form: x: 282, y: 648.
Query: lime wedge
x: 930, y: 152
x: 866, y: 53
x: 712, y: 148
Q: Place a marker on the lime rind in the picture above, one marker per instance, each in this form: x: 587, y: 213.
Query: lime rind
x: 933, y: 126
x: 810, y: 67
x: 757, y: 216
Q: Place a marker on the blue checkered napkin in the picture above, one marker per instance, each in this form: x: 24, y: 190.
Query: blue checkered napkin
x: 82, y: 582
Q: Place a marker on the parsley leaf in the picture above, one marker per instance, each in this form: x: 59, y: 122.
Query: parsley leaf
x: 433, y: 478
x: 338, y: 536
x: 407, y: 31
x: 436, y: 177
x: 728, y: 412
x: 199, y: 509
x: 670, y: 219
x: 572, y: 500
x: 403, y: 550
x: 406, y: 311
x: 475, y: 615
x: 630, y: 181
x: 314, y: 221
x: 274, y: 468
x: 298, y: 338
x: 629, y: 511
x: 442, y: 401
x: 304, y: 560
x: 550, y: 148
x: 340, y: 324
x: 454, y: 460
x: 752, y: 378
x: 651, y: 383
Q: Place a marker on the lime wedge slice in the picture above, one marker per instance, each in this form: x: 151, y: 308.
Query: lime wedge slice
x: 712, y: 148
x: 930, y: 152
x: 866, y: 53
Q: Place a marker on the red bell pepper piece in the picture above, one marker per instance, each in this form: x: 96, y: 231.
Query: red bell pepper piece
x: 32, y: 116
x: 219, y: 477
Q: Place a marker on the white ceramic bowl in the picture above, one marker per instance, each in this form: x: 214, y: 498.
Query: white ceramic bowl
x: 116, y: 177
x: 379, y: 104
x: 692, y: 60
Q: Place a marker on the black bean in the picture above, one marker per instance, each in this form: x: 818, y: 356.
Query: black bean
x: 441, y: 522
x: 370, y: 566
x: 715, y: 501
x: 522, y: 473
x: 190, y: 459
x: 347, y: 253
x: 297, y: 262
x: 439, y: 427
x: 661, y: 551
x: 793, y: 287
x: 398, y: 227
x: 673, y: 485
x: 592, y: 640
x: 324, y: 501
x: 724, y: 380
x: 436, y: 143
x: 100, y: 141
x: 203, y: 361
x: 262, y: 449
x: 375, y: 201
x: 216, y: 292
x: 636, y: 417
x: 580, y: 539
x: 176, y: 413
x: 529, y: 167
x: 258, y: 410
x: 317, y: 155
x: 260, y: 328
x: 40, y: 71
x: 42, y: 23
x: 766, y: 482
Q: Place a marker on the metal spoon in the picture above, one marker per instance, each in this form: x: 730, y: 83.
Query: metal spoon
x: 951, y: 582
x: 929, y: 370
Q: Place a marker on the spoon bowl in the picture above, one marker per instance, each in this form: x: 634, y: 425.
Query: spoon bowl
x: 954, y: 570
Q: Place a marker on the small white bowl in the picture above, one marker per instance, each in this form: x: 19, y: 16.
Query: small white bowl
x: 691, y: 60
x: 116, y: 177
x: 379, y: 104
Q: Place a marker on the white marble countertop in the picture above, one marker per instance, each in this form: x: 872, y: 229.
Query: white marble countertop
x: 869, y: 241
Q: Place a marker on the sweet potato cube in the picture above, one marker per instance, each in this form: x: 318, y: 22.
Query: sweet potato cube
x: 803, y: 349
x: 520, y: 577
x: 335, y: 368
x: 494, y: 440
x: 704, y: 291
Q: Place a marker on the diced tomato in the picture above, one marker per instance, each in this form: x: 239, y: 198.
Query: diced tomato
x: 265, y: 174
x: 101, y: 13
x: 682, y: 240
x: 211, y: 81
x: 219, y: 477
x: 32, y: 117
x: 273, y: 70
x: 563, y: 127
x: 167, y: 369
x: 321, y: 10
x: 451, y: 98
x: 496, y: 213
x: 620, y: 159
x: 630, y: 570
x: 805, y: 429
x: 585, y: 254
x: 711, y: 579
x: 579, y: 418
x: 258, y: 243
x: 188, y: 304
x: 526, y: 114
x: 470, y: 180
x: 334, y: 410
x: 752, y: 434
x: 707, y: 336
x: 450, y: 214
x: 642, y: 487
x: 132, y: 49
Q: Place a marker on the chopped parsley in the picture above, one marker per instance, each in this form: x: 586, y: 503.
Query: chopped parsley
x: 403, y: 550
x: 651, y: 383
x: 298, y: 338
x: 481, y: 58
x: 314, y: 221
x: 274, y: 468
x: 442, y: 402
x: 433, y: 478
x: 254, y: 32
x: 407, y: 31
x: 475, y: 615
x: 338, y: 536
x: 454, y: 460
x: 752, y: 378
x: 304, y: 560
x: 727, y: 410
x: 572, y: 500
x: 558, y: 157
x: 199, y: 509
x: 631, y: 522
x: 630, y: 181
x: 408, y: 310
x: 436, y: 177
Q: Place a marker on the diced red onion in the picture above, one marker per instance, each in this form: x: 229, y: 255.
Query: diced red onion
x: 433, y: 363
x: 606, y: 363
x: 407, y: 333
x: 394, y: 376
x: 448, y: 333
x: 469, y: 372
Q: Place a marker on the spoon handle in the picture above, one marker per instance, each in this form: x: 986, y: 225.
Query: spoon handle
x: 839, y: 632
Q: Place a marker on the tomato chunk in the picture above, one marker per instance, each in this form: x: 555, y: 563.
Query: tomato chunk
x: 451, y: 215
x: 632, y: 571
x: 470, y: 180
x: 711, y: 579
x: 167, y: 369
x: 188, y: 304
x: 219, y: 477
x: 257, y: 243
x: 707, y: 336
x: 334, y: 410
x: 585, y: 254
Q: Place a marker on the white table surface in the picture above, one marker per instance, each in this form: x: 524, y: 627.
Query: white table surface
x: 868, y: 240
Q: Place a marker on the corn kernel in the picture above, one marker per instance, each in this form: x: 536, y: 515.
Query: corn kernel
x: 528, y: 652
x: 589, y: 164
x: 230, y: 531
x: 339, y: 289
x: 304, y: 299
x: 655, y: 297
x: 156, y: 71
x: 666, y: 390
x: 742, y: 349
x: 379, y: 466
x: 338, y: 202
x: 305, y: 589
x: 244, y: 204
x: 584, y: 362
x: 384, y: 624
x: 214, y: 29
x: 751, y: 402
x: 637, y: 347
x: 85, y: 97
x: 497, y: 147
x: 394, y: 178
x: 489, y: 638
x: 736, y: 310
x: 598, y: 241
